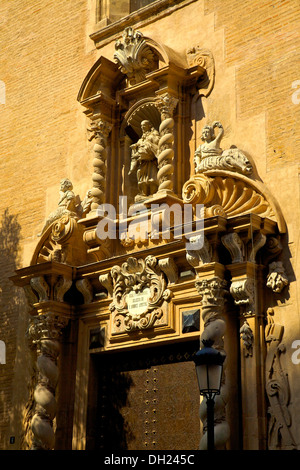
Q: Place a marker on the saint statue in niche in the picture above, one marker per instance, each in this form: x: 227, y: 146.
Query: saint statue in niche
x: 144, y: 161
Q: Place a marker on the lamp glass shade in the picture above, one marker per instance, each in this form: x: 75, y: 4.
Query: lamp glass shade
x: 209, y: 378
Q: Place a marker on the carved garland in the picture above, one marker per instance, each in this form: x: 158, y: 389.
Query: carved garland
x: 137, y: 275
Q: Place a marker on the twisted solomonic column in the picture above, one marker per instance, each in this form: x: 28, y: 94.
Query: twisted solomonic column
x: 99, y: 131
x: 166, y: 105
x: 212, y: 292
x: 45, y: 331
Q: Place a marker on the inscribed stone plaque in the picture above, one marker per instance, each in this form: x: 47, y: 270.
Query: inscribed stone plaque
x: 137, y: 303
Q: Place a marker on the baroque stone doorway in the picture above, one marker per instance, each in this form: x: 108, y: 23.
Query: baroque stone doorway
x: 144, y: 400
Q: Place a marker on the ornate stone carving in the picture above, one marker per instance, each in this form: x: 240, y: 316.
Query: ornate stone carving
x: 84, y: 286
x: 226, y: 196
x: 143, y: 277
x: 40, y: 286
x: 212, y: 293
x: 67, y: 205
x: 134, y: 56
x: 243, y: 293
x: 199, y: 256
x: 169, y: 267
x: 106, y: 281
x: 235, y: 246
x: 166, y: 105
x: 45, y: 332
x: 247, y: 337
x: 257, y: 243
x: 99, y: 131
x: 62, y: 286
x: 277, y: 278
x: 277, y: 388
x: 196, y: 55
x: 144, y: 161
x: 209, y: 155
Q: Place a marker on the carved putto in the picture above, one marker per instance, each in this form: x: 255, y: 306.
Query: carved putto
x: 139, y: 289
x: 134, y: 56
x: 210, y: 156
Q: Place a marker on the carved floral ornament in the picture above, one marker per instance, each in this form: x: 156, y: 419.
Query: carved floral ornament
x: 139, y: 289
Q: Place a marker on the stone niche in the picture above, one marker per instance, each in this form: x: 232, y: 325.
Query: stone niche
x: 138, y: 106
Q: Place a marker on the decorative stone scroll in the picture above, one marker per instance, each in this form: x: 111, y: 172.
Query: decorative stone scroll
x: 226, y: 196
x: 198, y: 56
x: 134, y: 56
x: 139, y: 289
x: 99, y: 131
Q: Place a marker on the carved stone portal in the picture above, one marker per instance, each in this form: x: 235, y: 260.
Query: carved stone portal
x: 139, y: 290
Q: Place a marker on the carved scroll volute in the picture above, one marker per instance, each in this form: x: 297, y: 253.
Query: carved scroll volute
x: 45, y: 333
x: 99, y: 132
x: 166, y: 105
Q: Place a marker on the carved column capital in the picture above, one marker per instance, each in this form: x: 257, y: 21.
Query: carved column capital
x: 46, y: 326
x: 212, y: 292
x: 166, y: 105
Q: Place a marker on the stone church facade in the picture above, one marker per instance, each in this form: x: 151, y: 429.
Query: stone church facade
x: 149, y: 201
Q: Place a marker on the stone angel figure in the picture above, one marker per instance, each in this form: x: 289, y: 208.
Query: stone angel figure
x: 144, y: 160
x: 210, y: 156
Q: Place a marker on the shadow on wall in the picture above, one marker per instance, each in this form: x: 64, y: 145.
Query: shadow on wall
x: 12, y: 321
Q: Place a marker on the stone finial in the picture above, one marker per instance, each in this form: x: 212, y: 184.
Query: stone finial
x: 134, y: 56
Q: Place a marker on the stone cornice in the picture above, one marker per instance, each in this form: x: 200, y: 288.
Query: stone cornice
x: 141, y: 17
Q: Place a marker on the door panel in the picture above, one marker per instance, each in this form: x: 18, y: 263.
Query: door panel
x: 146, y: 400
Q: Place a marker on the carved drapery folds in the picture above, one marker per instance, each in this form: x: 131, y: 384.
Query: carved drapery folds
x: 139, y: 290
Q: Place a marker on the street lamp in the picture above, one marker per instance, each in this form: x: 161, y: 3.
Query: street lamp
x: 209, y: 366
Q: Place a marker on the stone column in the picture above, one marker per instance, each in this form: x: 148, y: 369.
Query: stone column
x: 45, y: 332
x: 211, y: 286
x: 212, y: 292
x: 100, y: 130
x: 166, y: 105
x: 245, y: 289
x: 45, y: 286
